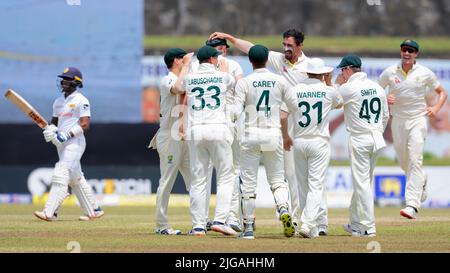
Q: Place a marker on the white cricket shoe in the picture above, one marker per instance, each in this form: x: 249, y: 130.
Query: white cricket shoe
x: 197, y: 232
x: 235, y: 225
x: 41, y: 215
x: 323, y: 230
x: 305, y: 232
x: 98, y: 214
x: 409, y: 212
x: 357, y: 233
x: 167, y: 231
x: 248, y: 232
x: 222, y: 228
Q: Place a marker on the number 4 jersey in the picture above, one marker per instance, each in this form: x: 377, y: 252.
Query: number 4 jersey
x: 365, y: 105
x: 208, y: 92
x: 314, y: 100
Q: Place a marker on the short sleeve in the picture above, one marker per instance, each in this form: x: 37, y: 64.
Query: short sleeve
x: 432, y: 81
x: 383, y: 80
x: 85, y: 108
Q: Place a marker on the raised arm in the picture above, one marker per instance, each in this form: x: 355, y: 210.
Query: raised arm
x: 178, y: 88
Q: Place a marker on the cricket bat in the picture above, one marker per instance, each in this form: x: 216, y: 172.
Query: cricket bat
x: 25, y: 107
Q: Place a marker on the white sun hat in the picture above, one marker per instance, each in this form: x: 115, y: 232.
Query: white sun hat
x: 316, y: 66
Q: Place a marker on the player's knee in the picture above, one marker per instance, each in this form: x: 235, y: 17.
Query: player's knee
x: 61, y: 175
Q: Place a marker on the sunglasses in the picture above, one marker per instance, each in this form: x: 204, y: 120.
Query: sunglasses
x: 346, y: 67
x: 408, y: 49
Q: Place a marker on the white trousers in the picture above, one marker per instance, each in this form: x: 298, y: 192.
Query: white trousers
x: 289, y: 173
x: 251, y: 155
x: 409, y: 139
x: 235, y: 210
x: 202, y: 149
x: 67, y: 172
x: 312, y: 158
x: 173, y: 157
x: 362, y: 161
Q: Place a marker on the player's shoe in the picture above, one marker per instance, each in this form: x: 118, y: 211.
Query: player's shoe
x: 306, y: 232
x: 167, y: 231
x: 222, y: 228
x: 357, y: 233
x: 286, y: 219
x: 248, y: 232
x: 41, y: 215
x: 363, y: 234
x: 208, y: 225
x: 323, y: 230
x: 98, y: 213
x: 409, y: 212
x: 235, y: 225
x: 197, y: 232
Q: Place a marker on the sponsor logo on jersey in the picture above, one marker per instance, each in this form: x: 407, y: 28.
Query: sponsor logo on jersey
x: 72, y: 105
x: 170, y: 159
x: 85, y: 106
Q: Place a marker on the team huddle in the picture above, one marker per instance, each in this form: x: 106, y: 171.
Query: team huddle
x: 212, y: 117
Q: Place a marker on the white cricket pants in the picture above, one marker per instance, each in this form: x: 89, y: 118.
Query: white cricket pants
x: 362, y: 163
x: 409, y: 139
x: 312, y: 158
x: 289, y: 173
x: 67, y: 172
x: 173, y: 157
x: 203, y: 147
x: 235, y: 215
x: 251, y: 155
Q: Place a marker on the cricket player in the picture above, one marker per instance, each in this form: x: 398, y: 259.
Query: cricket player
x: 209, y: 138
x: 408, y: 83
x: 173, y: 153
x: 366, y: 115
x: 234, y: 68
x: 261, y: 95
x: 71, y: 118
x: 288, y: 65
x: 315, y: 99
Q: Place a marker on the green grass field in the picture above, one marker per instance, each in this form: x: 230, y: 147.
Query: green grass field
x: 367, y: 44
x: 130, y: 229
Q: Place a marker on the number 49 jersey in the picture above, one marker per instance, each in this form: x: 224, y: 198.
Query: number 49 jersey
x: 314, y: 100
x: 365, y: 105
x: 208, y: 92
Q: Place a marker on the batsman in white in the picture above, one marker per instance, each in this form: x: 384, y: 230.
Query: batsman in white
x: 366, y: 115
x: 315, y: 98
x: 288, y: 65
x: 234, y: 68
x: 261, y: 95
x: 173, y: 153
x: 71, y: 118
x: 408, y: 83
x: 209, y: 138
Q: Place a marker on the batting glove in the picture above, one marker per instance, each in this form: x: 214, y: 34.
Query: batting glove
x: 50, y: 132
x: 61, y: 138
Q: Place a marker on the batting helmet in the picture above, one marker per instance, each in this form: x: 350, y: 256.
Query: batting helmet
x: 72, y: 73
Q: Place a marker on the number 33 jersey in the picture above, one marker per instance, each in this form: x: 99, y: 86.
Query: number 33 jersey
x: 365, y: 105
x: 208, y: 93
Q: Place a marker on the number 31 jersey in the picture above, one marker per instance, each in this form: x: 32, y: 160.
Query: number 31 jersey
x: 365, y: 104
x: 314, y: 100
x: 208, y: 92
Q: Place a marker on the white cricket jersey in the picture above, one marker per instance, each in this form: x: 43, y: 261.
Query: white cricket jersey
x: 234, y: 68
x: 278, y: 64
x: 409, y: 89
x: 365, y: 105
x: 261, y: 94
x: 314, y: 100
x: 208, y: 92
x: 69, y: 111
x: 167, y: 101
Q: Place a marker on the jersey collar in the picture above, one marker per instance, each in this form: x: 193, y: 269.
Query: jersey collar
x: 400, y: 69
